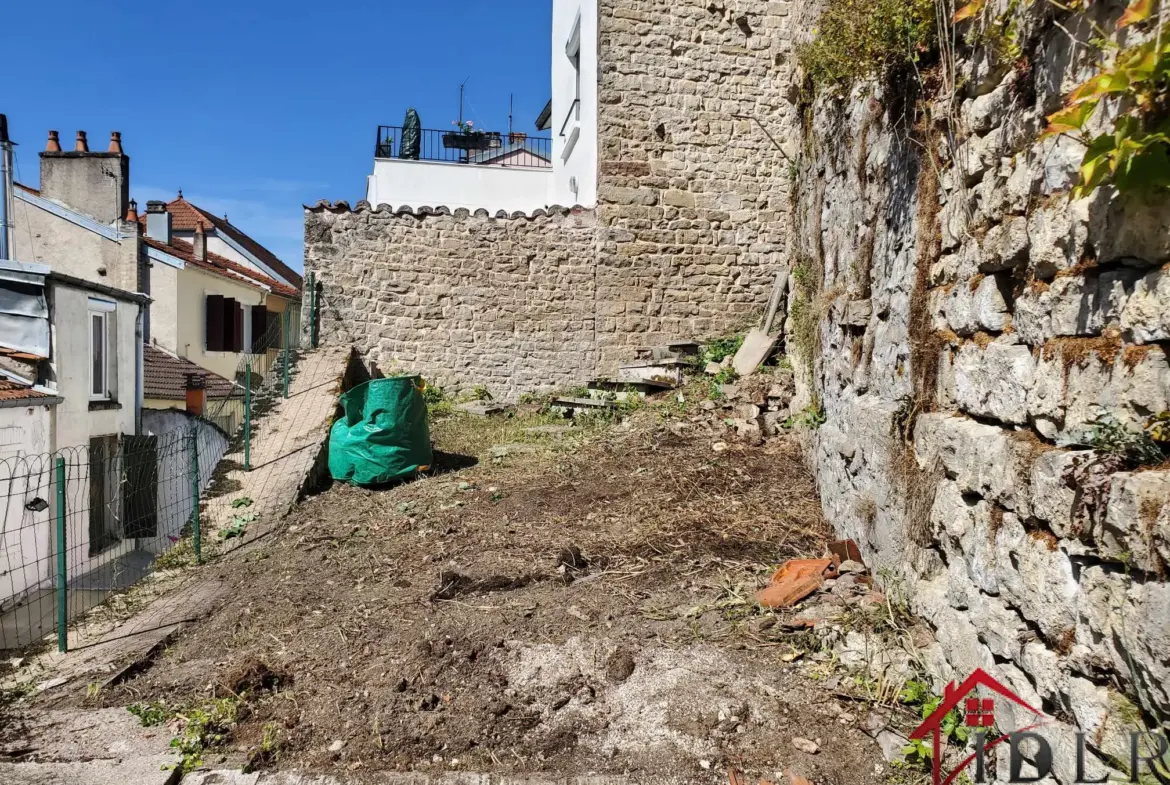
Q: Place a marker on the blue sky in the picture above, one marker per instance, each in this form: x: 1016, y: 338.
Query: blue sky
x: 255, y: 107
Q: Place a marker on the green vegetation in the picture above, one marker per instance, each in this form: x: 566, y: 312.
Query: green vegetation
x: 439, y: 404
x: 918, y: 695
x: 811, y: 416
x: 1145, y: 447
x: 150, y: 714
x: 868, y: 39
x: 205, y: 726
x: 721, y: 348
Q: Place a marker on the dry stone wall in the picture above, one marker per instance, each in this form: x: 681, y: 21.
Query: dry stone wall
x: 969, y: 322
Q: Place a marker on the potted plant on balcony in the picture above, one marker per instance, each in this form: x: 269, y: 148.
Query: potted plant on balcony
x: 468, y: 137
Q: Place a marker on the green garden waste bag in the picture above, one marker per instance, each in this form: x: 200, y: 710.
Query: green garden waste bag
x: 384, y: 435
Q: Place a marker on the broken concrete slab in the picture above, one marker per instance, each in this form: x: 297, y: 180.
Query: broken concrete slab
x: 140, y: 771
x: 482, y: 408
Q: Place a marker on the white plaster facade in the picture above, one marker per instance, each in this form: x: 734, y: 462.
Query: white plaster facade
x: 572, y: 177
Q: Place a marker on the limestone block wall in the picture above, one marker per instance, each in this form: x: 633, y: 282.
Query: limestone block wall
x: 508, y: 303
x: 968, y: 322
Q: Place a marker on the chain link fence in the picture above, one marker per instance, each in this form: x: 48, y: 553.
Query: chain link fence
x: 86, y: 523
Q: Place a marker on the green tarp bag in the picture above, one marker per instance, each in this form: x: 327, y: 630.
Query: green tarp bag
x: 384, y: 435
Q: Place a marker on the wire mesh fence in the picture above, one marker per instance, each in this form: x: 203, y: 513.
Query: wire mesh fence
x: 86, y: 523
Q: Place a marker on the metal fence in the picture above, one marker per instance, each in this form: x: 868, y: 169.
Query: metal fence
x: 86, y: 523
x: 483, y: 148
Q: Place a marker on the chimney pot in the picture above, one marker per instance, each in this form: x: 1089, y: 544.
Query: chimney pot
x: 196, y: 388
x: 116, y: 142
x: 82, y: 145
x: 132, y: 212
x: 199, y: 243
x: 54, y: 143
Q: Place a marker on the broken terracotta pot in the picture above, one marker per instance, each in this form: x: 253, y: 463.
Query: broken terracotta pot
x: 795, y: 580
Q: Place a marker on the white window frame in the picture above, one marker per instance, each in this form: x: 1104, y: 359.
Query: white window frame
x: 99, y: 309
x: 573, y: 53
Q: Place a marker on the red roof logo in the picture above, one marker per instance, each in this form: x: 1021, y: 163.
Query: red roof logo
x: 979, y: 714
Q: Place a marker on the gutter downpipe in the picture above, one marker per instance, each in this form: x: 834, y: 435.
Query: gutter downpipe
x: 5, y: 190
x: 138, y: 371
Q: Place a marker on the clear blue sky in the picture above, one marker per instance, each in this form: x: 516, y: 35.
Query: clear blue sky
x: 255, y: 107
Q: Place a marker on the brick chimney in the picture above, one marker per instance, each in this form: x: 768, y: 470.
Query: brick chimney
x: 96, y: 184
x: 158, y: 222
x: 196, y: 384
x: 199, y: 243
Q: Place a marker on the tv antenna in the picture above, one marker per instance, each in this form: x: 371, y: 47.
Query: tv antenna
x: 461, y: 100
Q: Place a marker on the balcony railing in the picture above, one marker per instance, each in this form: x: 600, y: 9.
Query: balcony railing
x: 480, y: 148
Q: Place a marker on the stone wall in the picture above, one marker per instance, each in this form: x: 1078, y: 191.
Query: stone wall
x: 969, y: 322
x: 684, y: 242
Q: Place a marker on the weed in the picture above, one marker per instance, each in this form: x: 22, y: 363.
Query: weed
x: 811, y: 416
x: 862, y: 39
x: 480, y: 393
x: 204, y: 726
x: 243, y: 501
x: 918, y: 695
x: 238, y: 526
x: 180, y: 555
x: 150, y: 714
x: 1134, y: 447
x: 720, y: 348
x: 438, y: 402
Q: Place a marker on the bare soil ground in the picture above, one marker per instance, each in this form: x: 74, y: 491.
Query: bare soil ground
x: 569, y: 604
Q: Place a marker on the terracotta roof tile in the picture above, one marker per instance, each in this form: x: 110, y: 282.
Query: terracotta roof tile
x: 165, y: 376
x: 13, y: 391
x: 185, y: 217
x: 223, y: 267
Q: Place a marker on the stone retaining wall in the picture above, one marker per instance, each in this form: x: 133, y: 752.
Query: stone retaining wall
x: 971, y: 321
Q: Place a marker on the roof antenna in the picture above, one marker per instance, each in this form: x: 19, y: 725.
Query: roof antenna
x: 461, y: 100
x: 511, y: 101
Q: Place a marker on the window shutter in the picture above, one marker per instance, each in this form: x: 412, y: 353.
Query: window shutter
x: 259, y: 328
x: 238, y: 334
x: 215, y: 332
x: 229, y: 324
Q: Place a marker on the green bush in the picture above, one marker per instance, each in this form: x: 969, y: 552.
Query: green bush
x: 867, y: 39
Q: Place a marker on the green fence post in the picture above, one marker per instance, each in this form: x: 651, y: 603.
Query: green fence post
x: 196, y: 534
x: 62, y: 565
x: 285, y: 320
x: 247, y: 416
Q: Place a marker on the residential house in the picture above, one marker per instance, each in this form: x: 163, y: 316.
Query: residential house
x: 215, y: 291
x: 175, y: 384
x: 477, y: 170
x: 70, y: 372
x: 211, y: 309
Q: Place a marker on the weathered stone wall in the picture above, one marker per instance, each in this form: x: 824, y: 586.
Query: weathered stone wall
x: 506, y: 303
x: 969, y: 321
x: 693, y: 195
x: 684, y: 242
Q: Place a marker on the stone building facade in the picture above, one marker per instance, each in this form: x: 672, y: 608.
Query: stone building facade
x: 684, y: 241
x: 959, y: 319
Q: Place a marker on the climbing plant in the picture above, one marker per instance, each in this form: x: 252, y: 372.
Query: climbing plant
x: 1134, y: 153
x: 863, y: 39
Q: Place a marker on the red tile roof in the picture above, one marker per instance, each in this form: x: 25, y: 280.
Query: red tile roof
x: 23, y: 187
x: 165, y: 376
x: 13, y: 391
x: 185, y: 217
x: 223, y: 267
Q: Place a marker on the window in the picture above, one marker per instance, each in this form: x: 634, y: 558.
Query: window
x: 101, y: 319
x: 571, y: 127
x: 224, y: 324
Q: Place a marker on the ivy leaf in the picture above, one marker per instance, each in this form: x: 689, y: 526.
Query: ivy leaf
x: 1138, y: 11
x: 1071, y: 118
x: 1095, y: 166
x: 971, y: 9
x: 1100, y: 85
x: 1145, y: 171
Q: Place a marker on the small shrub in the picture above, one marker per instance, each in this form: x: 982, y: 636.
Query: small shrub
x: 480, y: 393
x: 1134, y: 447
x: 864, y: 39
x: 150, y: 714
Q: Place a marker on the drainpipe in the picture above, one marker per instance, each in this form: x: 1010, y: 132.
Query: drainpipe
x: 5, y: 190
x: 138, y: 372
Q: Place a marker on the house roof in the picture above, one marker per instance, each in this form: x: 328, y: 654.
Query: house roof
x: 165, y: 376
x: 543, y: 119
x: 185, y: 217
x: 25, y: 188
x: 11, y: 390
x: 487, y: 156
x: 222, y: 266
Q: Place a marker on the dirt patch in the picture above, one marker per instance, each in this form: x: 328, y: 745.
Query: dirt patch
x: 583, y: 607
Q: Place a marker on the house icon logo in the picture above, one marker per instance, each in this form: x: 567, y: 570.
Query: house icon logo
x: 1035, y: 764
x: 979, y: 715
